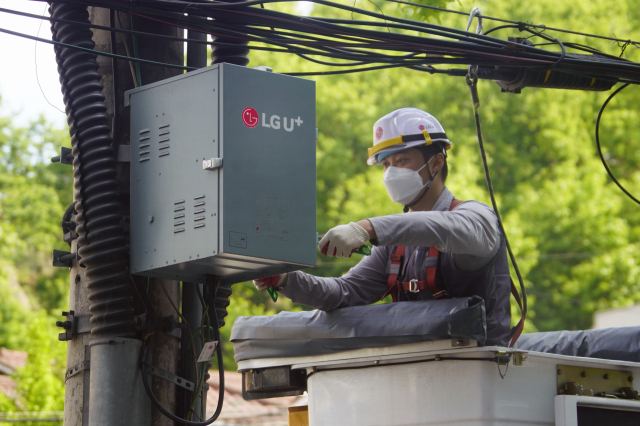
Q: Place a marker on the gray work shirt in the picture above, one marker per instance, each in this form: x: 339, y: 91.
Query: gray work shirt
x: 472, y: 247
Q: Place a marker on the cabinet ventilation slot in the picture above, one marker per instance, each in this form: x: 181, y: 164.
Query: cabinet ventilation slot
x: 163, y: 139
x: 198, y: 221
x: 144, y: 143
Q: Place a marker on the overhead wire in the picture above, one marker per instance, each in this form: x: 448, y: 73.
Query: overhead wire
x: 604, y: 161
x: 361, y: 48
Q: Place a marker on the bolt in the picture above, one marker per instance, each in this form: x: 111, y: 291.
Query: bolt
x: 64, y: 324
x: 559, y: 372
x: 583, y: 374
x: 606, y: 377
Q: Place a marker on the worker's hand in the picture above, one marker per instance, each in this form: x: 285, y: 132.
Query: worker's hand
x: 277, y: 281
x: 342, y: 240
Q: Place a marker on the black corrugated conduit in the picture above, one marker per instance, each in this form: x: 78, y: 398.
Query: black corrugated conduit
x: 101, y: 239
x: 230, y: 53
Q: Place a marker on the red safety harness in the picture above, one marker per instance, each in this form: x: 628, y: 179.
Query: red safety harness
x: 432, y: 282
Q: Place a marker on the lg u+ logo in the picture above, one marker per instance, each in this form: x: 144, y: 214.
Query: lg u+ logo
x: 250, y: 118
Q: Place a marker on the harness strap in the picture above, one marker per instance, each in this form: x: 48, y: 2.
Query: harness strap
x: 397, y: 261
x: 431, y: 281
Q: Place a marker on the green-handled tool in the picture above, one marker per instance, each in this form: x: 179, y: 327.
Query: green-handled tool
x: 273, y: 293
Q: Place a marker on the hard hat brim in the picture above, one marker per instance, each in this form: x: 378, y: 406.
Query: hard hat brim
x: 373, y: 159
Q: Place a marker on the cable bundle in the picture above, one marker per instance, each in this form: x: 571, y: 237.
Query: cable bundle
x: 382, y: 42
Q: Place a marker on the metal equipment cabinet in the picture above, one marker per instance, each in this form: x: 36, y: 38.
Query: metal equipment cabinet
x: 223, y: 175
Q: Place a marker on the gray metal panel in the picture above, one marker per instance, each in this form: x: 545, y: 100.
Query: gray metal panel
x: 263, y: 185
x: 268, y: 177
x: 174, y: 202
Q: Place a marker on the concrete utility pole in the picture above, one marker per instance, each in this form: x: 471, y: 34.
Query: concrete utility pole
x: 165, y: 345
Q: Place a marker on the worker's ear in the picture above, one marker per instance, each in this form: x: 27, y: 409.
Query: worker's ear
x: 437, y: 163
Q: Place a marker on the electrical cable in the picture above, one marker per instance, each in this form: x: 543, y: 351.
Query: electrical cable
x: 473, y: 50
x: 126, y: 48
x: 131, y: 32
x: 604, y: 162
x: 145, y: 361
x: 207, y: 5
x: 184, y: 320
x: 516, y: 23
x: 158, y: 404
x: 35, y: 61
x: 136, y: 55
x: 96, y: 52
x: 472, y: 81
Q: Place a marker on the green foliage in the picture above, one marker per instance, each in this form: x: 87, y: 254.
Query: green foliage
x: 31, y: 205
x: 40, y: 384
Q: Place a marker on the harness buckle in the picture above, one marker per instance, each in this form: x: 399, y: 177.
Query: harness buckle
x: 413, y: 286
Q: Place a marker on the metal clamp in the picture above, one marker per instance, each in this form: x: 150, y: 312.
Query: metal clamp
x: 76, y: 369
x: 413, y: 286
x: 65, y: 157
x: 73, y: 325
x: 63, y: 259
x: 184, y: 383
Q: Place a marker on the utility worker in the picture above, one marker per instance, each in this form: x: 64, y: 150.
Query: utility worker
x: 443, y: 248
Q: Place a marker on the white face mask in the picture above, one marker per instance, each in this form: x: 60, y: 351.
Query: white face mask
x: 404, y: 185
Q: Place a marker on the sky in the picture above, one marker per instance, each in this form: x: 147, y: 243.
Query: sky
x: 21, y: 96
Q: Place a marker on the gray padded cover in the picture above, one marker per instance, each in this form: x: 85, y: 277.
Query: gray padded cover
x: 620, y: 343
x: 294, y: 334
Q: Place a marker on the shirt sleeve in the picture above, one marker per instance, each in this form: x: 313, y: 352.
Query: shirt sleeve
x: 470, y: 232
x: 365, y: 283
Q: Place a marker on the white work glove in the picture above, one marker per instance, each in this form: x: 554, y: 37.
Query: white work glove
x: 277, y: 281
x: 342, y: 240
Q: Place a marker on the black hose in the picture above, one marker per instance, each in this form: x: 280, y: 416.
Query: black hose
x: 101, y: 239
x: 233, y: 55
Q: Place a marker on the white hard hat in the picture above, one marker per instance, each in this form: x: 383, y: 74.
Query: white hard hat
x: 405, y: 128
